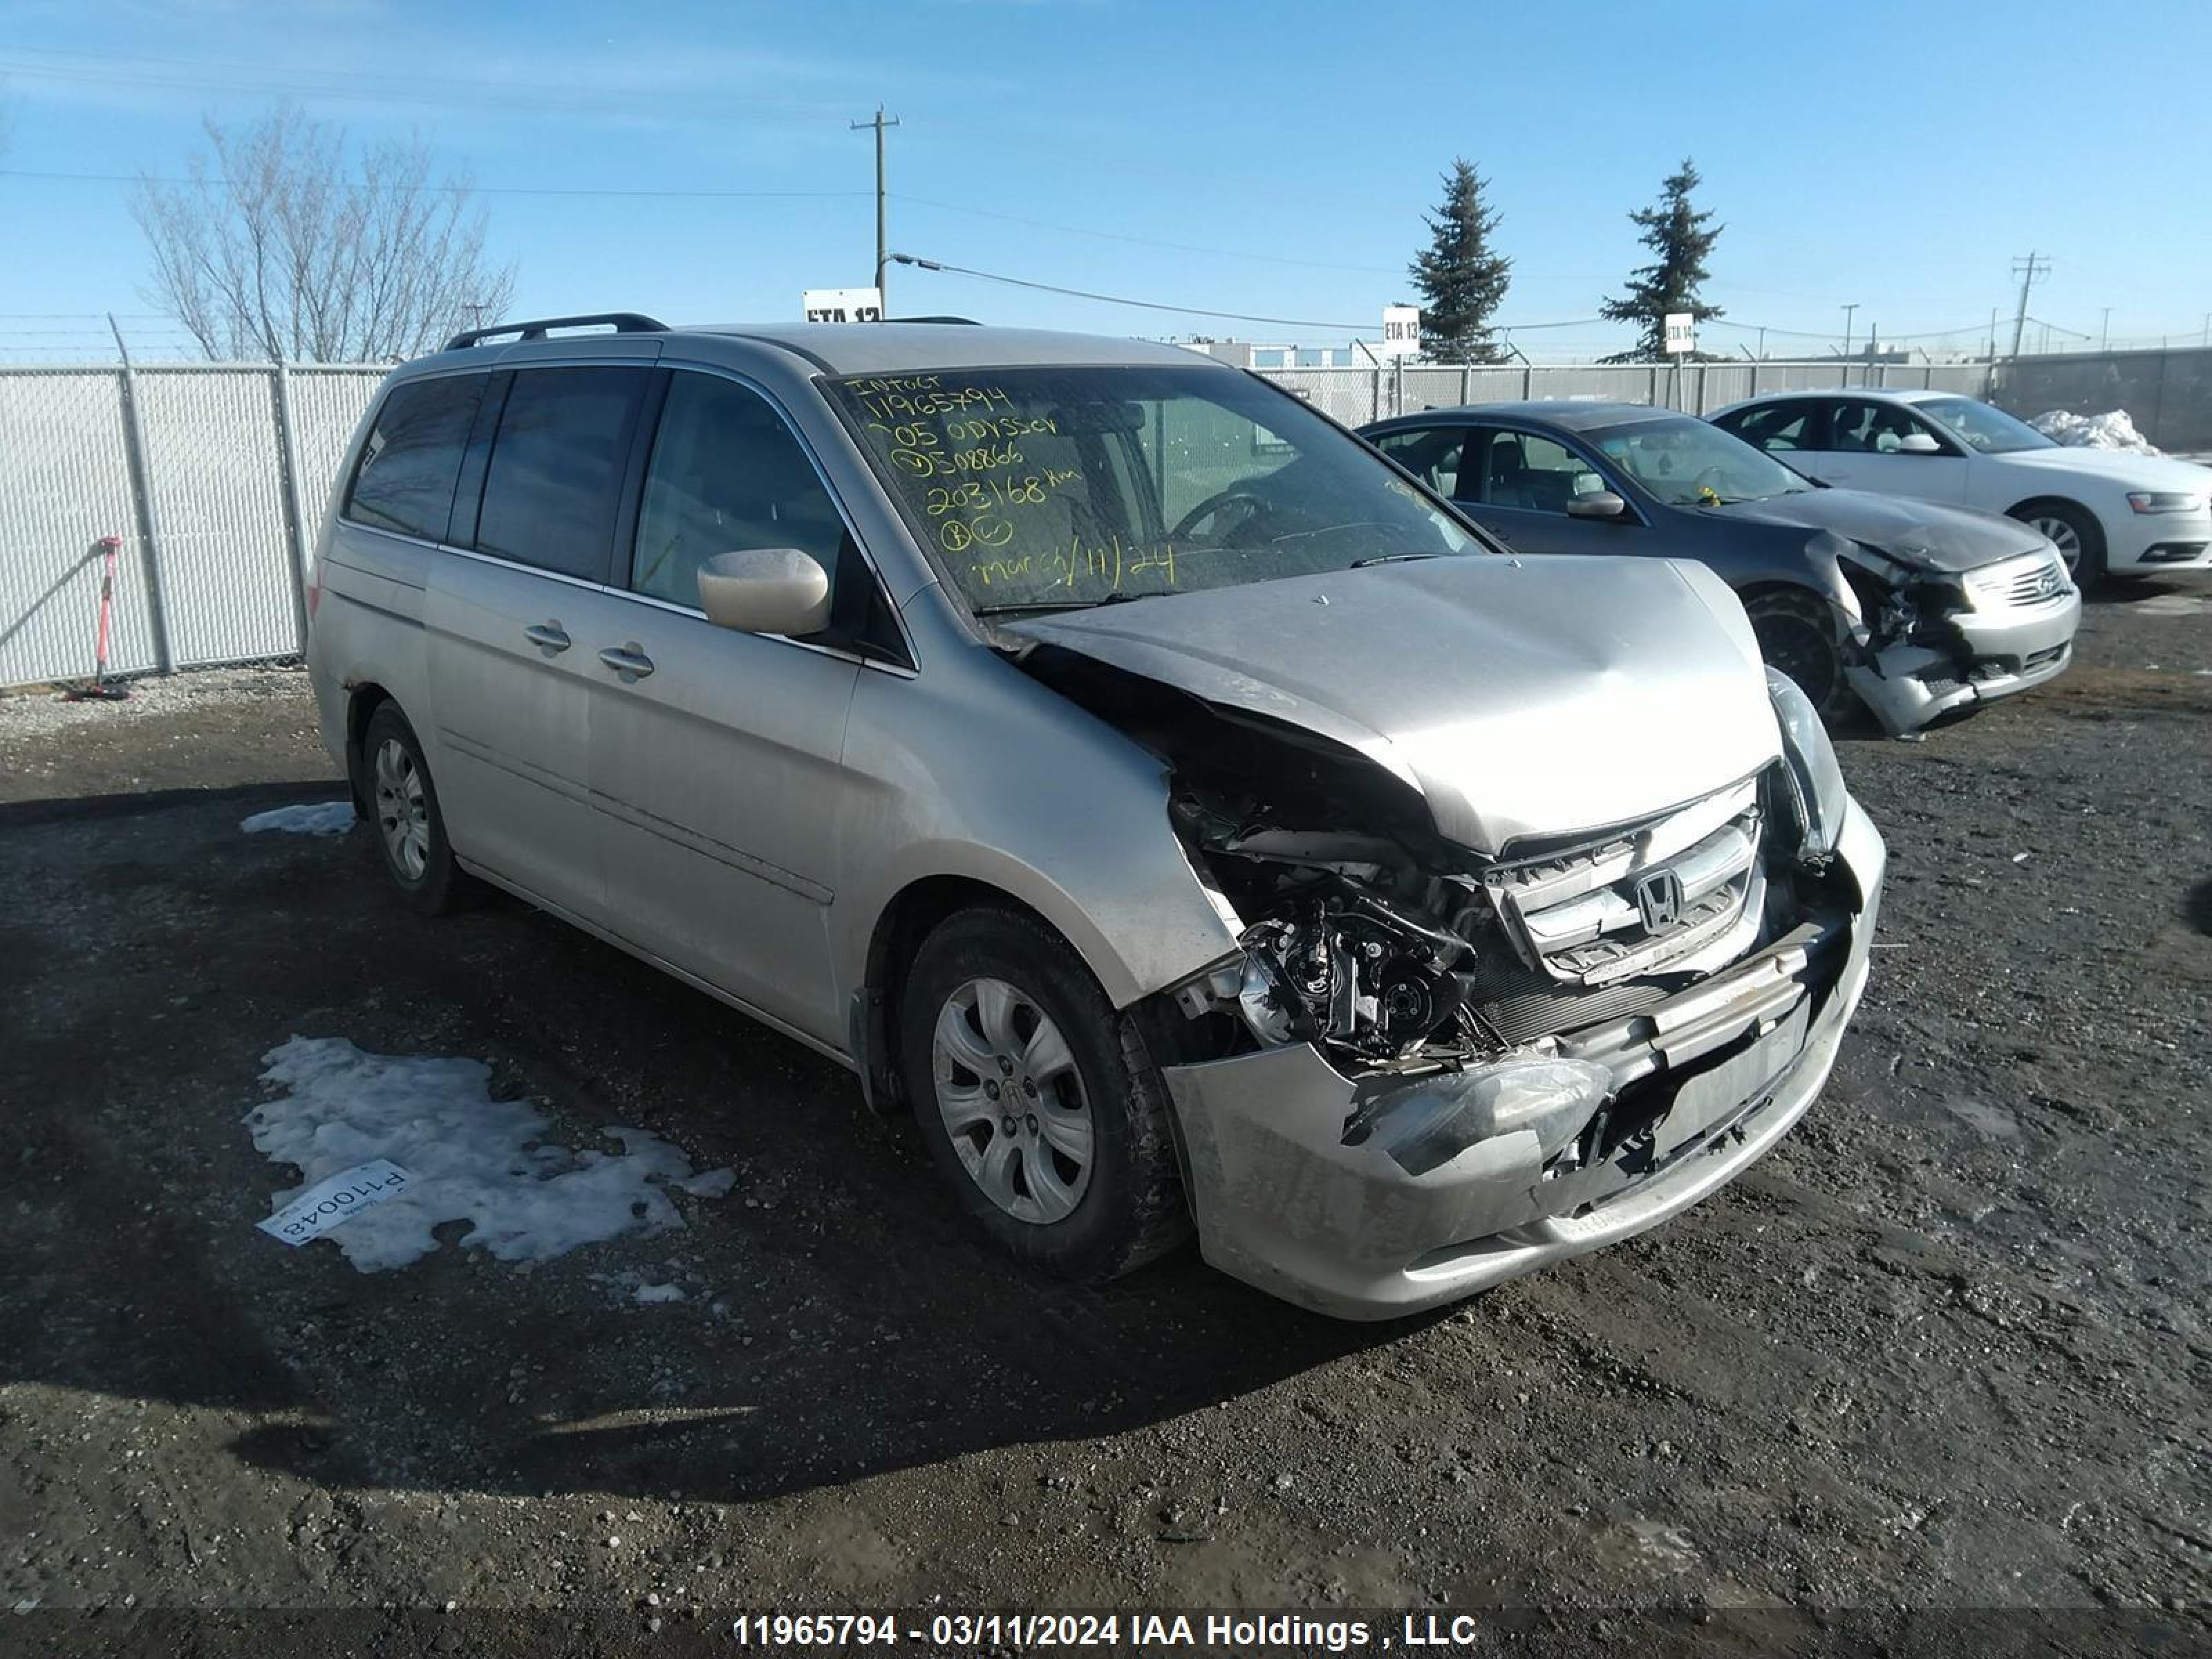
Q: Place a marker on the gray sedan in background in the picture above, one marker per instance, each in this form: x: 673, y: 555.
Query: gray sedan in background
x: 1914, y: 608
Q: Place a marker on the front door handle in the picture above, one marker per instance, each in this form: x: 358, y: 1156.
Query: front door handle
x: 628, y: 660
x: 547, y: 636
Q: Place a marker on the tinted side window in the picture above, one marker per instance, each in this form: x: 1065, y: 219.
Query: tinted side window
x: 405, y: 481
x: 726, y: 476
x: 1871, y: 428
x: 1534, y: 474
x: 1432, y: 455
x: 553, y: 483
x: 1775, y: 426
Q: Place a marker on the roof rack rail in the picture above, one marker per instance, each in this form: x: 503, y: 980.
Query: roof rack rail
x: 624, y: 322
x: 966, y: 322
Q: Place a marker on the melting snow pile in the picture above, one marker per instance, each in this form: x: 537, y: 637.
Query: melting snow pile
x: 2110, y: 430
x: 328, y: 818
x: 469, y: 1158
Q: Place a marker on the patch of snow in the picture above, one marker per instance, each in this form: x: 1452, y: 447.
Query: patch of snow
x: 469, y: 1158
x: 650, y: 1293
x: 328, y: 818
x: 2110, y: 430
x: 714, y: 1183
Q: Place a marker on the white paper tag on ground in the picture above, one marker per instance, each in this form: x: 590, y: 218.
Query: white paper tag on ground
x: 327, y: 1203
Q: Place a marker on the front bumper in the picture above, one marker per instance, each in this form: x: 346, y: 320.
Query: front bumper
x: 2148, y: 542
x: 1993, y: 653
x: 1285, y: 1203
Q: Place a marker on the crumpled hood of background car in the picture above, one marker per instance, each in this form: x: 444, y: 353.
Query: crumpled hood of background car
x: 1926, y: 533
x: 1528, y: 696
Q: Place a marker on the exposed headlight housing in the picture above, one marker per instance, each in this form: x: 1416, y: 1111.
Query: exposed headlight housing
x: 2164, y: 501
x: 1815, y: 796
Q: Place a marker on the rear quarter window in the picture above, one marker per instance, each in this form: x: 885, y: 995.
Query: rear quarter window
x: 405, y: 479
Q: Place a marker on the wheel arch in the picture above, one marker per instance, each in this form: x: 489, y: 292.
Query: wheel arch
x: 905, y: 920
x: 363, y: 699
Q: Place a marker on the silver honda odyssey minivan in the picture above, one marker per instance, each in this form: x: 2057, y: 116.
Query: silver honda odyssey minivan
x: 1187, y: 817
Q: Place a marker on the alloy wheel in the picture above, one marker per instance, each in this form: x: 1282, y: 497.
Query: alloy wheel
x: 2063, y: 536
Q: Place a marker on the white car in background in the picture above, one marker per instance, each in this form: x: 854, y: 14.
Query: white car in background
x: 2105, y: 512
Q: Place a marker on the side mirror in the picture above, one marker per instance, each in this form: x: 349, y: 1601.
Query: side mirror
x: 1598, y: 504
x: 767, y: 590
x: 1918, y: 443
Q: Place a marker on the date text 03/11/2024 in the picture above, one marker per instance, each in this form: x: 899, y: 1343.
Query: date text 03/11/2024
x: 1242, y: 1632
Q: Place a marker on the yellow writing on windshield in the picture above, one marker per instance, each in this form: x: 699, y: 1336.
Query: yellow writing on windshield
x: 1108, y: 563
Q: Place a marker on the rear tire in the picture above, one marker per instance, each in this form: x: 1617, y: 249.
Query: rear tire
x: 2074, y: 532
x: 1797, y: 633
x: 1037, y: 1101
x: 403, y: 810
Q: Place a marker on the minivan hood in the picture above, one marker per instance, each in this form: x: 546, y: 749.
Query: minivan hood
x: 1521, y: 696
x: 1924, y: 534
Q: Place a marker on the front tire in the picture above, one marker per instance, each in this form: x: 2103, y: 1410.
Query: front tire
x: 1797, y: 633
x: 403, y: 810
x: 2074, y: 532
x: 1036, y: 1100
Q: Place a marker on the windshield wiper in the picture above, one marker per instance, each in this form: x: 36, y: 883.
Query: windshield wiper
x: 1389, y: 558
x: 1058, y: 604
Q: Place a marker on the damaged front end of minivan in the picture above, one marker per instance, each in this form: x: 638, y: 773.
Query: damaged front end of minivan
x: 1429, y: 1068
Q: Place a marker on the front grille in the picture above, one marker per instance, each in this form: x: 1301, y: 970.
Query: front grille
x: 1519, y: 1004
x: 2027, y: 583
x: 1638, y: 898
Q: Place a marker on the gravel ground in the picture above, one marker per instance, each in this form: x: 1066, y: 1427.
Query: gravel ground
x: 183, y: 731
x: 1946, y: 1348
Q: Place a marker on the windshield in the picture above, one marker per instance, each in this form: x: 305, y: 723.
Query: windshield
x: 1989, y: 430
x: 1045, y: 488
x: 1687, y: 462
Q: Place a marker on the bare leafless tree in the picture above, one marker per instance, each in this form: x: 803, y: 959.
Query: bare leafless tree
x: 281, y: 245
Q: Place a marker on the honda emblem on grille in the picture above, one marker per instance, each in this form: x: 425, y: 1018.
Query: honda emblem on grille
x: 1659, y: 900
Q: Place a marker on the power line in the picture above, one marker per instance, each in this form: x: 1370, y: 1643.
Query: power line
x: 1187, y: 311
x: 1115, y: 299
x: 468, y: 189
x: 1143, y: 241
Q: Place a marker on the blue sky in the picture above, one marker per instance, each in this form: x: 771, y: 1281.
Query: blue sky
x: 1270, y: 159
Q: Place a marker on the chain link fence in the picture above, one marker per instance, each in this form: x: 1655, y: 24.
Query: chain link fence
x: 1357, y: 396
x: 215, y: 478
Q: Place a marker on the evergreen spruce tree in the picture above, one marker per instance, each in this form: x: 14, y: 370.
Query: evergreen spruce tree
x: 1681, y: 237
x: 1461, y: 282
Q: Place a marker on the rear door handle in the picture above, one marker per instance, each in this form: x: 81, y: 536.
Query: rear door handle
x: 628, y: 660
x: 547, y: 636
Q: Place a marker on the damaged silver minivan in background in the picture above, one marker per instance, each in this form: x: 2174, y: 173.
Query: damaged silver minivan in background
x: 1120, y: 766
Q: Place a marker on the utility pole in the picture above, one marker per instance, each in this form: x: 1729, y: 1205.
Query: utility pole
x: 2027, y: 270
x: 880, y: 122
x: 2105, y: 332
x: 1848, y: 310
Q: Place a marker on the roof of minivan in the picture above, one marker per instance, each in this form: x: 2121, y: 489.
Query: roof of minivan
x: 1566, y: 414
x: 906, y: 348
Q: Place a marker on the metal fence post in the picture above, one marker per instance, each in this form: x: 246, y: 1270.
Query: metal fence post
x: 1652, y: 396
x: 1375, y: 394
x: 1753, y: 393
x: 295, y: 515
x: 1466, y: 385
x: 142, y: 493
x: 1528, y: 382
